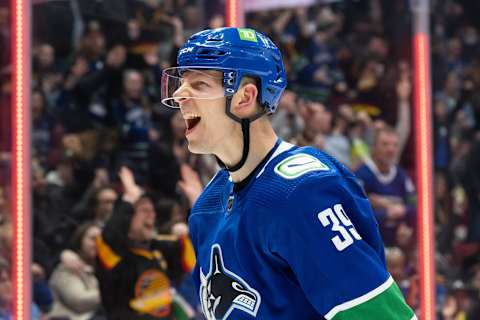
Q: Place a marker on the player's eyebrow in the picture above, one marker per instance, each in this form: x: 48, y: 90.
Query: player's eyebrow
x: 193, y: 74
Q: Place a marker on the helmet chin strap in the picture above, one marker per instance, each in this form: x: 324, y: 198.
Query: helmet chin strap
x: 245, y: 123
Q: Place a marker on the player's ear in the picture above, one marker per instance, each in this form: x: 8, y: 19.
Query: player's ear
x: 244, y: 101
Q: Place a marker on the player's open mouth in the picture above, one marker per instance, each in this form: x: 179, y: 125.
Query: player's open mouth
x: 191, y: 121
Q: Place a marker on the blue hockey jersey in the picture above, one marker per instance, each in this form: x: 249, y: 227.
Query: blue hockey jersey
x: 298, y: 241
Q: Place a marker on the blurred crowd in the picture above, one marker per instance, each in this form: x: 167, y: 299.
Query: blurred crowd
x: 113, y: 180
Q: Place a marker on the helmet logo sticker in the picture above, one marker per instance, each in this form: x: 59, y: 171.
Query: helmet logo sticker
x: 247, y: 34
x: 185, y: 50
x: 298, y: 165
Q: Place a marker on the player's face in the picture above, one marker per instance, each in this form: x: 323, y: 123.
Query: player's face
x: 208, y: 127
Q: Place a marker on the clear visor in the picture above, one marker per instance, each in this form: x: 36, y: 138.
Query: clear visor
x: 181, y: 84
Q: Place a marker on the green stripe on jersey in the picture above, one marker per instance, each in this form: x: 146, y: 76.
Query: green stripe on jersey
x: 388, y: 304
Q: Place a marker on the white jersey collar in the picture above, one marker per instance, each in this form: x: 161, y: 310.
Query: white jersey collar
x: 282, y: 147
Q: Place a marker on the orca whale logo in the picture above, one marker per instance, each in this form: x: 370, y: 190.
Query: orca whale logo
x: 222, y: 291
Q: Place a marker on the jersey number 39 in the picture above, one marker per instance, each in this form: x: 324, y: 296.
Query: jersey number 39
x: 340, y: 224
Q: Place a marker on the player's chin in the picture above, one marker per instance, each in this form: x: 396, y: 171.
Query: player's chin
x: 197, y: 147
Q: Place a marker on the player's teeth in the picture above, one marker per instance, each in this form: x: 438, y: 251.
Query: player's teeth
x: 191, y: 116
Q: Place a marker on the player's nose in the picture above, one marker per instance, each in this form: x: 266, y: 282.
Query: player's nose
x: 182, y: 95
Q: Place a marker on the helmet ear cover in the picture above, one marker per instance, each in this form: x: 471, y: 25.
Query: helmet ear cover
x: 246, y: 79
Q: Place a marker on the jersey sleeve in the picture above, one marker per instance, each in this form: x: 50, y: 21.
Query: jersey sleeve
x: 328, y: 237
x: 192, y: 227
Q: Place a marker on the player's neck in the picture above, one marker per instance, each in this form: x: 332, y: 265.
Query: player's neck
x: 262, y: 140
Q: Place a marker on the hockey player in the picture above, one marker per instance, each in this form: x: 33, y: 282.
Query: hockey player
x: 281, y: 232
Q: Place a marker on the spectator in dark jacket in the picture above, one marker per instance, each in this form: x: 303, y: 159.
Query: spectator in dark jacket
x: 136, y: 269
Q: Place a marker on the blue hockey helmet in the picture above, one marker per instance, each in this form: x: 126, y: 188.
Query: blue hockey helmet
x: 237, y: 52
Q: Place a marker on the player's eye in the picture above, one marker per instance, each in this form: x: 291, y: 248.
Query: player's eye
x: 200, y: 85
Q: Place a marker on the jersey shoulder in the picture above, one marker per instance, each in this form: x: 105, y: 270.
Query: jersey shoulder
x: 211, y: 199
x: 300, y: 165
x: 289, y: 173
